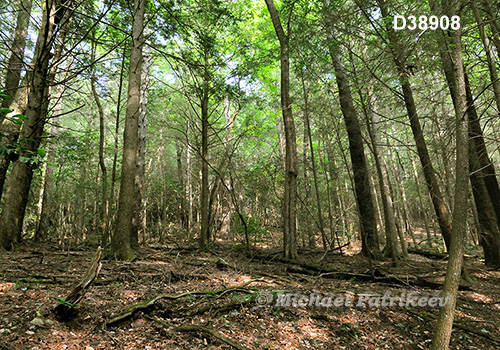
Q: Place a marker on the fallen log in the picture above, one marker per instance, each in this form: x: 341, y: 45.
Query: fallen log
x: 377, y: 278
x: 129, y: 311
x: 65, y: 309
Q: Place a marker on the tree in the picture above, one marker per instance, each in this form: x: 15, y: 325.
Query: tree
x: 16, y: 60
x: 290, y: 195
x: 442, y: 333
x: 19, y: 182
x: 364, y: 198
x: 121, y: 240
x: 395, y: 47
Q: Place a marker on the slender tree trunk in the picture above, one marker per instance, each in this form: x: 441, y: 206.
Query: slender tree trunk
x: 494, y: 25
x: 313, y: 163
x: 138, y: 222
x: 182, y: 189
x: 102, y: 166
x: 189, y: 186
x: 391, y: 248
x: 205, y: 190
x: 485, y: 197
x: 16, y: 60
x: 483, y: 177
x: 46, y: 206
x: 121, y: 241
x: 490, y: 59
x: 364, y: 197
x: 117, y: 128
x: 442, y: 333
x: 290, y: 195
x: 442, y: 213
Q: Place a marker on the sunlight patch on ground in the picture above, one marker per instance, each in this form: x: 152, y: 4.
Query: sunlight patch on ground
x: 129, y: 294
x: 480, y: 297
x: 6, y: 286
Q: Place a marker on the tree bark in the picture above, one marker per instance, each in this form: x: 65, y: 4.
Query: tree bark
x: 444, y: 326
x: 121, y: 241
x: 290, y: 195
x: 312, y: 244
x: 19, y: 182
x: 16, y: 60
x: 204, y: 237
x: 440, y: 209
x: 484, y: 186
x: 364, y: 197
x: 102, y: 166
x: 139, y: 220
x: 391, y: 248
x: 490, y: 59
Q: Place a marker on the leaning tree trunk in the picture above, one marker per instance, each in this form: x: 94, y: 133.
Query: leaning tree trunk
x: 484, y: 186
x: 442, y: 213
x: 120, y: 243
x: 290, y: 195
x: 490, y: 59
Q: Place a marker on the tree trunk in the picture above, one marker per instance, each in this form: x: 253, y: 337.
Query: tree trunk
x: 490, y: 59
x: 15, y: 64
x: 307, y: 123
x: 391, y: 248
x: 442, y: 213
x: 116, y: 134
x: 444, y: 326
x: 121, y: 241
x: 19, y: 182
x: 205, y: 190
x: 290, y: 195
x: 364, y: 197
x: 484, y: 199
x: 102, y: 166
x: 182, y: 189
x: 138, y: 222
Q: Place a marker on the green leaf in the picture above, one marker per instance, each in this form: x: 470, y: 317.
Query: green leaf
x: 6, y: 110
x: 5, y: 96
x: 41, y: 152
x: 24, y: 160
x: 20, y: 116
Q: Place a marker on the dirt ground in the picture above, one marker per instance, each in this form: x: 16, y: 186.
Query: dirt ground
x: 253, y: 315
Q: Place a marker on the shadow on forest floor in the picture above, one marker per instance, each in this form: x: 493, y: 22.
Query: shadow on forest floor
x: 33, y: 280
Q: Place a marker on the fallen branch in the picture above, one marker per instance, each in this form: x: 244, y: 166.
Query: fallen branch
x: 429, y: 254
x: 378, y: 278
x: 129, y: 311
x: 461, y: 325
x: 212, y: 332
x: 66, y: 307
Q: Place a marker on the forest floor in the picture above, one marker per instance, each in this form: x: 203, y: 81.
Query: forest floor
x: 32, y: 280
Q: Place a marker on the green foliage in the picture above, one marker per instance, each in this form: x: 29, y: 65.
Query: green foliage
x: 18, y: 151
x: 26, y: 283
x: 4, y: 96
x: 66, y: 303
